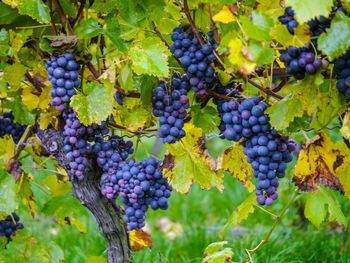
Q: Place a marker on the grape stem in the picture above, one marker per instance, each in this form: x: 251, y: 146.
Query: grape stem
x: 267, y: 236
x: 80, y: 11
x: 192, y: 24
x: 53, y: 25
x: 265, y: 90
x: 65, y: 22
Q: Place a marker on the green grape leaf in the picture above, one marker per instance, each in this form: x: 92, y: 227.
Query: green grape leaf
x: 112, y: 31
x: 89, y: 28
x: 336, y: 40
x: 216, y: 253
x: 104, y: 6
x: 205, y: 118
x: 146, y: 84
x: 4, y: 43
x: 14, y: 74
x: 240, y: 214
x: 262, y: 55
x: 306, y: 10
x: 283, y: 112
x: 150, y: 57
x: 35, y: 9
x: 8, y: 198
x: 254, y: 31
x: 20, y: 111
x: 95, y: 104
x: 281, y: 34
x: 315, y: 207
x: 7, y: 14
x: 68, y: 8
x: 187, y: 162
x: 125, y: 77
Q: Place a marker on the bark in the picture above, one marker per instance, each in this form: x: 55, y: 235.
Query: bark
x: 87, y: 190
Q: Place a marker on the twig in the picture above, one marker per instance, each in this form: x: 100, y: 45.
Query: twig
x: 22, y: 144
x: 65, y: 22
x: 266, y: 238
x: 267, y: 91
x: 281, y: 85
x: 266, y: 211
x: 36, y: 83
x: 93, y: 70
x: 53, y: 25
x: 80, y: 11
x: 114, y: 125
x: 192, y: 24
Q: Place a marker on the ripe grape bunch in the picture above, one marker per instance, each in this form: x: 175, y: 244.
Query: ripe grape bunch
x: 299, y: 61
x: 288, y: 19
x: 64, y: 77
x: 195, y: 58
x: 139, y: 185
x: 266, y: 150
x: 342, y: 72
x: 169, y: 104
x: 10, y: 225
x: 8, y: 126
x: 76, y: 138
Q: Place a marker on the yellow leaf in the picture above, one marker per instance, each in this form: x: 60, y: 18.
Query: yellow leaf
x: 12, y: 3
x: 240, y: 58
x: 224, y: 16
x: 57, y: 187
x: 316, y: 164
x: 139, y: 240
x: 345, y: 130
x: 279, y: 62
x: 231, y: 159
x: 49, y: 117
x: 7, y: 149
x: 188, y: 162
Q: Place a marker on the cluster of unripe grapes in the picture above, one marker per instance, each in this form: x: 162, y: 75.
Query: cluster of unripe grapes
x: 266, y: 150
x: 64, y: 77
x: 194, y: 58
x: 10, y: 225
x: 170, y: 103
x: 8, y: 126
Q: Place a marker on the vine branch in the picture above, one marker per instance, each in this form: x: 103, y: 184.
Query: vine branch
x: 192, y: 24
x: 265, y: 90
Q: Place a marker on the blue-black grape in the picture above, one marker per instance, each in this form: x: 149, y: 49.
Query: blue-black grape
x: 119, y: 98
x: 140, y: 185
x: 195, y: 59
x: 10, y: 225
x: 170, y: 103
x: 8, y: 126
x: 342, y: 73
x: 300, y: 61
x: 64, y: 77
x: 288, y: 19
x: 76, y: 142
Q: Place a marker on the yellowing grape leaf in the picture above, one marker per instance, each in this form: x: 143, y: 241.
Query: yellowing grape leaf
x: 315, y: 207
x: 188, y: 162
x: 139, y: 240
x: 240, y: 58
x: 316, y: 165
x: 26, y: 193
x: 7, y: 149
x: 345, y: 129
x: 270, y: 7
x: 306, y: 10
x: 95, y: 104
x: 224, y: 16
x: 33, y: 101
x: 240, y: 214
x: 216, y: 253
x: 234, y: 161
x: 56, y: 187
x: 281, y: 34
x: 49, y: 117
x: 13, y: 74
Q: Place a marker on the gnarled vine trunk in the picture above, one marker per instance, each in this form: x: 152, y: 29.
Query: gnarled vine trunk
x: 87, y: 190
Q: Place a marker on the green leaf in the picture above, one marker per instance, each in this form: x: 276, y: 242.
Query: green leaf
x: 261, y: 55
x: 146, y: 84
x: 205, y: 118
x: 95, y: 104
x: 191, y: 163
x: 20, y: 111
x: 14, y: 74
x: 125, y: 77
x: 150, y: 57
x: 216, y: 253
x: 89, y: 28
x: 68, y: 8
x: 7, y: 14
x: 104, y: 6
x: 336, y: 40
x: 281, y: 34
x: 35, y: 9
x: 253, y: 31
x: 8, y: 197
x: 315, y: 207
x: 306, y: 10
x: 283, y: 112
x: 4, y: 43
x: 240, y: 214
x: 113, y: 32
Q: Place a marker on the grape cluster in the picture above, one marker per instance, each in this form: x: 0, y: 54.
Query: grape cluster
x: 288, y: 19
x: 268, y: 153
x: 76, y: 142
x: 8, y: 126
x: 170, y: 104
x: 64, y: 77
x: 10, y: 225
x: 195, y: 58
x: 299, y: 61
x: 266, y: 150
x: 342, y: 72
x: 139, y: 185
